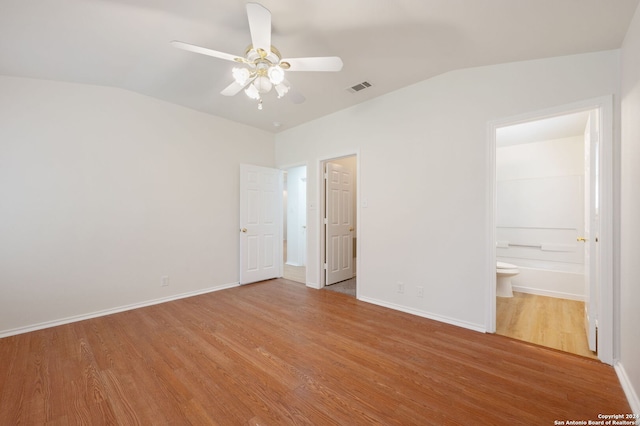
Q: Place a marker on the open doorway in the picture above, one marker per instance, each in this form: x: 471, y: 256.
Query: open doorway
x: 295, y: 224
x: 542, y: 205
x: 339, y: 225
x: 551, y: 228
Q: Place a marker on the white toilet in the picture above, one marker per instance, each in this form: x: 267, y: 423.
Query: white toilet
x: 504, y: 272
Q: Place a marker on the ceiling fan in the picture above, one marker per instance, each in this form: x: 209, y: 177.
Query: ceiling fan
x: 262, y: 67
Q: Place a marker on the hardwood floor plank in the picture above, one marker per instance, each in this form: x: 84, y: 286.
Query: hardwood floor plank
x: 39, y: 389
x: 119, y: 387
x: 15, y: 361
x: 76, y: 406
x: 280, y: 353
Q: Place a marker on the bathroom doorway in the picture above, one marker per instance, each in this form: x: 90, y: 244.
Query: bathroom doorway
x: 294, y: 233
x: 550, y: 181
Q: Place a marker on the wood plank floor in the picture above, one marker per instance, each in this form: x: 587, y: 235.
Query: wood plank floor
x: 276, y: 353
x: 547, y: 321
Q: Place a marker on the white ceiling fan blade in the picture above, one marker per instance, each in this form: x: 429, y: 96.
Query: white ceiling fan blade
x: 328, y: 63
x: 260, y: 26
x: 205, y: 51
x: 234, y: 88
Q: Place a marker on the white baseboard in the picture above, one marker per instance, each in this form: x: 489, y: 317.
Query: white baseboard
x: 104, y: 312
x: 548, y: 293
x: 629, y: 391
x: 424, y: 314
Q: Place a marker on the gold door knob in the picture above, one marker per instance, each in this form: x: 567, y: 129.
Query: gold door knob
x: 582, y: 239
x: 351, y: 229
x: 244, y: 229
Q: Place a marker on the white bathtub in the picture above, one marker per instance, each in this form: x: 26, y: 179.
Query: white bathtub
x: 565, y: 281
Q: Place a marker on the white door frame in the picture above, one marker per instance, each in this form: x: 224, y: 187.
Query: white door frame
x: 606, y: 302
x: 321, y: 208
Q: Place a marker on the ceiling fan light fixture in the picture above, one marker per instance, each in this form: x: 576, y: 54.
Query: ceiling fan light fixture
x: 282, y: 89
x: 241, y: 75
x: 262, y: 84
x: 252, y: 92
x: 276, y: 74
x: 262, y: 67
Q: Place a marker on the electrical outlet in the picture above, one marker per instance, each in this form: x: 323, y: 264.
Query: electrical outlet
x: 420, y: 291
x: 164, y: 281
x: 400, y: 287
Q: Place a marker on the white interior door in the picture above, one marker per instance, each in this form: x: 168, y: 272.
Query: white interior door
x: 338, y: 224
x: 260, y: 223
x: 591, y: 228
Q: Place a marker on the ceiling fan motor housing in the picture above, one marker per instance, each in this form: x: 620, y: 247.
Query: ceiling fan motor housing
x: 256, y: 55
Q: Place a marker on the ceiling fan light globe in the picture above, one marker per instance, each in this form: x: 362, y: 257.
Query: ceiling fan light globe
x: 276, y: 74
x: 252, y: 92
x: 240, y: 75
x: 282, y: 90
x: 262, y: 84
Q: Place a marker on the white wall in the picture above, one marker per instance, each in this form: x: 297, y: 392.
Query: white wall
x: 630, y: 215
x: 423, y: 154
x: 541, y: 185
x: 103, y: 191
x: 541, y: 159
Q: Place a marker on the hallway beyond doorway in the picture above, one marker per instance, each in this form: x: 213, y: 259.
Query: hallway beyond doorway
x: 291, y: 272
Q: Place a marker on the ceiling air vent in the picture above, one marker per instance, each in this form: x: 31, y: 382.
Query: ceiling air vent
x: 358, y: 87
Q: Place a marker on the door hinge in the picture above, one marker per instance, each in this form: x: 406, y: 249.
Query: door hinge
x: 325, y: 266
x: 325, y: 221
x: 326, y: 176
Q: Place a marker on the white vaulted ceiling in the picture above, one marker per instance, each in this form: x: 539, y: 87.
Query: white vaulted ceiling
x: 391, y: 44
